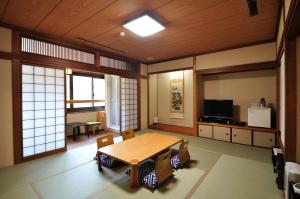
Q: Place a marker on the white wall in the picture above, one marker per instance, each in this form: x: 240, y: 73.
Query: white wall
x: 6, y: 114
x: 246, y: 55
x: 159, y: 98
x: 144, y: 103
x: 171, y: 65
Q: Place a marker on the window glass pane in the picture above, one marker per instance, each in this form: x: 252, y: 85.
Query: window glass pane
x: 99, y: 91
x: 82, y: 90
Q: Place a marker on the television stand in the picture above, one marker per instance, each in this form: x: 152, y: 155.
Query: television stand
x: 217, y: 120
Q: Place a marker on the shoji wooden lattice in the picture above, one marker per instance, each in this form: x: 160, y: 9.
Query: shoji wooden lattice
x: 43, y: 109
x: 129, y: 104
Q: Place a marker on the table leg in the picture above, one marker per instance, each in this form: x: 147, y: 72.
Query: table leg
x: 94, y: 129
x: 134, y: 174
x: 74, y: 129
x: 99, y: 162
x: 87, y: 130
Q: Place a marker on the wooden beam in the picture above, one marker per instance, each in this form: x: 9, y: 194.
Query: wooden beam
x: 239, y: 68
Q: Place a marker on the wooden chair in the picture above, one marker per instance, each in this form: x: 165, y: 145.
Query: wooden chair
x: 180, y: 157
x: 103, y: 159
x: 160, y: 171
x: 128, y: 134
x: 101, y: 117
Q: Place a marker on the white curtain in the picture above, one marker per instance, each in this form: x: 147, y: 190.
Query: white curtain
x: 112, y: 101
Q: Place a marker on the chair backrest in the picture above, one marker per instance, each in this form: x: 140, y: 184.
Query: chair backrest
x: 101, y: 117
x: 128, y: 134
x: 105, y: 141
x: 163, y: 168
x: 183, y: 152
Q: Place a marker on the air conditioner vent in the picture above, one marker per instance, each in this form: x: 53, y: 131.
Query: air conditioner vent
x: 254, y: 7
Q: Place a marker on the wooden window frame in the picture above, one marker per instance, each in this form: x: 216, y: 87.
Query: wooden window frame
x: 84, y: 109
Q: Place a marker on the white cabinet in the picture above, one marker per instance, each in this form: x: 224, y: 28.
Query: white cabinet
x: 259, y: 117
x: 263, y: 139
x: 205, y: 131
x: 221, y: 133
x: 241, y: 136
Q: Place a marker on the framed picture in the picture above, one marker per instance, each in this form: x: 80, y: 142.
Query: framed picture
x: 177, y: 95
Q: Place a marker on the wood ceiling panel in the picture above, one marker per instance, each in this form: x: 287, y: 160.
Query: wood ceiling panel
x: 69, y: 14
x: 28, y: 13
x: 3, y: 5
x: 192, y: 26
x: 113, y: 17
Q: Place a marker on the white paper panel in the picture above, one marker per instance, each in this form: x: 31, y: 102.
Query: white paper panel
x: 50, y: 146
x: 60, y: 89
x: 39, y: 149
x: 39, y: 71
x: 50, y: 72
x: 50, y: 97
x: 40, y: 114
x: 50, y: 88
x: 60, y: 112
x: 60, y: 81
x: 50, y: 130
x: 40, y: 101
x: 39, y: 79
x: 39, y: 140
x: 60, y: 97
x: 27, y: 88
x: 27, y: 78
x: 28, y: 142
x: 50, y: 138
x: 27, y: 124
x: 60, y: 120
x: 50, y: 80
x: 39, y: 97
x: 39, y: 88
x: 50, y: 105
x: 50, y: 122
x: 39, y: 105
x: 50, y: 113
x: 59, y: 73
x: 39, y: 123
x: 27, y: 97
x: 40, y: 131
x: 27, y: 69
x: 60, y: 144
x: 60, y: 128
x: 60, y: 105
x: 60, y: 136
x: 28, y: 151
x: 28, y: 133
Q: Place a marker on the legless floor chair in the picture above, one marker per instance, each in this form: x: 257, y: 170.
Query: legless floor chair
x: 152, y: 173
x: 103, y: 159
x: 128, y: 134
x: 181, y: 156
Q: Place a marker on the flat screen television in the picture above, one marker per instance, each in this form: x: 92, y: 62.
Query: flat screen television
x: 218, y: 108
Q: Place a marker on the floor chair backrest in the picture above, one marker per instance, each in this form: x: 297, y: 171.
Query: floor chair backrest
x: 163, y: 168
x: 105, y: 141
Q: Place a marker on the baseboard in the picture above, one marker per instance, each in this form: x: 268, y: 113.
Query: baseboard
x: 173, y: 128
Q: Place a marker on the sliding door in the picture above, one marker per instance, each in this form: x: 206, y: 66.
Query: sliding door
x: 129, y: 104
x: 112, y: 101
x: 43, y: 110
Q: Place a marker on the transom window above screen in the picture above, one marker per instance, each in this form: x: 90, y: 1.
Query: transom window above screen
x: 85, y: 92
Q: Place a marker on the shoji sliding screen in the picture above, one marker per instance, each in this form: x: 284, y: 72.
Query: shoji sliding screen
x: 43, y: 109
x: 129, y: 104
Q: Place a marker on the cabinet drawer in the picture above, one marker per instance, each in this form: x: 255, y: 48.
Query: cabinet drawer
x: 263, y: 139
x: 241, y: 136
x: 205, y: 131
x: 221, y: 133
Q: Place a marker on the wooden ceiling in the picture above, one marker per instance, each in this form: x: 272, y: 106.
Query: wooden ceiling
x: 192, y: 26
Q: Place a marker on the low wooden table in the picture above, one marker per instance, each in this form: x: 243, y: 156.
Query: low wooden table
x: 138, y: 149
x: 93, y: 124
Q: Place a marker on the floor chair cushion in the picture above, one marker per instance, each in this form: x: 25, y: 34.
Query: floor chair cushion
x: 150, y: 180
x: 175, y: 161
x: 107, y: 161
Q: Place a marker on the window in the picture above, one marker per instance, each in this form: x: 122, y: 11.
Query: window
x: 85, y: 92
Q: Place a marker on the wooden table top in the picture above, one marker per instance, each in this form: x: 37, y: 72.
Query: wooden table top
x: 140, y: 148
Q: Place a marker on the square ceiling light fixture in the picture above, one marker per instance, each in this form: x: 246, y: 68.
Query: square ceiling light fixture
x: 144, y: 26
